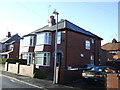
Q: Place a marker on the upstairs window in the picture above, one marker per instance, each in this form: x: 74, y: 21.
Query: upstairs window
x: 87, y: 45
x: 44, y: 38
x: 93, y: 41
x: 59, y: 38
x: 28, y: 41
x: 10, y: 47
x: 32, y: 41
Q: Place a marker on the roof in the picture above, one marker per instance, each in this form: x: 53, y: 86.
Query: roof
x: 15, y: 38
x: 4, y: 40
x: 65, y: 24
x: 111, y: 46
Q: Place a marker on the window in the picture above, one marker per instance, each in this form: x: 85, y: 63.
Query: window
x: 10, y: 47
x: 48, y: 38
x: 59, y: 38
x: 44, y: 38
x: 87, y: 44
x: 32, y: 40
x: 29, y: 57
x: 93, y: 41
x: 42, y: 58
x: 28, y: 41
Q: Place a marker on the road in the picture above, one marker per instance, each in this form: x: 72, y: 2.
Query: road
x: 10, y: 82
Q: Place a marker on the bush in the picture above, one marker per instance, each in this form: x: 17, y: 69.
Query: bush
x: 4, y: 60
x: 13, y: 61
x: 39, y: 74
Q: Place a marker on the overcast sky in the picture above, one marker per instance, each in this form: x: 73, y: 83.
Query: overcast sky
x: 100, y: 18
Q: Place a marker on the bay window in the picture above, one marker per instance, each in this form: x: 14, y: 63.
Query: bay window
x: 42, y: 58
x: 28, y: 41
x: 44, y: 38
x: 29, y: 57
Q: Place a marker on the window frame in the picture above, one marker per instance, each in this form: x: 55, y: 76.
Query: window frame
x: 28, y: 41
x: 29, y: 57
x: 87, y: 45
x: 46, y: 38
x: 59, y: 37
x: 43, y: 58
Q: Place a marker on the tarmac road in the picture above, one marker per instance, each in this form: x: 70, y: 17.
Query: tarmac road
x: 9, y: 82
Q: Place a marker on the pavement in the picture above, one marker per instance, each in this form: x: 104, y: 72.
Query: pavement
x: 37, y: 83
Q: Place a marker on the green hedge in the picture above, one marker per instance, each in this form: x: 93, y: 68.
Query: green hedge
x: 39, y: 74
x: 4, y: 60
x: 13, y: 61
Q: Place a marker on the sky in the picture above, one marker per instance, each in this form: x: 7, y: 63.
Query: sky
x: 100, y: 18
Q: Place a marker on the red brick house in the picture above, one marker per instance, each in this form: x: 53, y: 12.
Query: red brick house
x: 113, y: 49
x: 9, y: 46
x: 76, y: 47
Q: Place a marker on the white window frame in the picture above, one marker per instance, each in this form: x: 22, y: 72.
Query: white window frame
x: 44, y: 37
x: 11, y: 46
x: 59, y: 37
x: 32, y: 40
x: 28, y: 41
x: 27, y: 56
x: 93, y: 41
x: 42, y: 58
x: 87, y: 44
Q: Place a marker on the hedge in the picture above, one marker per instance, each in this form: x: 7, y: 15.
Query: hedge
x: 13, y: 61
x: 39, y: 74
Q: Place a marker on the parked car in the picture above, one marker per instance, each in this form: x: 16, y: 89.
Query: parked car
x: 98, y: 73
x: 86, y: 67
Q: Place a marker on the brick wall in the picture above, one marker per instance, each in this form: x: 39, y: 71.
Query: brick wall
x: 73, y: 45
x: 15, y: 53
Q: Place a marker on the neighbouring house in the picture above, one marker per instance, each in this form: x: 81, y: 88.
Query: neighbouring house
x: 9, y: 46
x: 113, y: 50
x: 76, y: 47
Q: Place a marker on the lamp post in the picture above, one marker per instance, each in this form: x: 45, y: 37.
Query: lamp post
x: 54, y: 78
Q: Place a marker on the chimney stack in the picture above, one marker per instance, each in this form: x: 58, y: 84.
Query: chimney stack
x: 9, y: 34
x: 114, y: 40
x: 51, y: 21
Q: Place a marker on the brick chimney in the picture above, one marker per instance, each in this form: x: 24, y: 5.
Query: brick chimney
x: 51, y: 21
x: 9, y: 35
